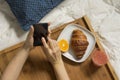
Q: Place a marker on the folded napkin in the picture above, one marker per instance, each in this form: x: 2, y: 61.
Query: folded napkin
x: 29, y: 12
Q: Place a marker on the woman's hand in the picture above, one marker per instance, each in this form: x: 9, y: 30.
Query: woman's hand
x: 16, y: 64
x: 52, y: 51
x: 29, y: 41
x: 53, y: 54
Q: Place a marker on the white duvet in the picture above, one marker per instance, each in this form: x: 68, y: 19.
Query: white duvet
x: 104, y: 16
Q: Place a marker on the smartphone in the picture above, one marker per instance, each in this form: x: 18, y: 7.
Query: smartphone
x: 40, y: 30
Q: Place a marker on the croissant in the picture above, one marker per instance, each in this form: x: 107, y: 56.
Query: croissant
x: 79, y: 43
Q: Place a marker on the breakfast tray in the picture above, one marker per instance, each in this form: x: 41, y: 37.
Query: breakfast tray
x: 37, y: 66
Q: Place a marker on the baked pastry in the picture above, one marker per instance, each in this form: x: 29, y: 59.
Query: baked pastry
x: 79, y: 43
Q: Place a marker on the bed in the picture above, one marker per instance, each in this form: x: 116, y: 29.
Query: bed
x: 103, y: 14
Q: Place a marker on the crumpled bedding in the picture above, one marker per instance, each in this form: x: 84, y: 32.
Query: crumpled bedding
x: 103, y: 14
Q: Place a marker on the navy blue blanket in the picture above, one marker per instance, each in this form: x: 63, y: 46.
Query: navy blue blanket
x: 29, y: 12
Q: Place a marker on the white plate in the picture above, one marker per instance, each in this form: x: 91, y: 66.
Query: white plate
x: 66, y: 34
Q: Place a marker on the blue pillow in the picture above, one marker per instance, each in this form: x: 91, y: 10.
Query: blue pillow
x: 29, y: 12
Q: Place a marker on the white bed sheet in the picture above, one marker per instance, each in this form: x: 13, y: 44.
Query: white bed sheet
x: 104, y: 16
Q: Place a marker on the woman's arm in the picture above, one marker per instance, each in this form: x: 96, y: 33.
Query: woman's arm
x: 13, y: 69
x: 60, y: 71
x: 53, y: 54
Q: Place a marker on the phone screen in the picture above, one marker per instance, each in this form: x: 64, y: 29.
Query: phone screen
x: 40, y: 30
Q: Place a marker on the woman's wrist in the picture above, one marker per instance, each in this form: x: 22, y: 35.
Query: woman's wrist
x: 27, y: 49
x: 27, y: 46
x: 60, y: 71
x: 58, y: 64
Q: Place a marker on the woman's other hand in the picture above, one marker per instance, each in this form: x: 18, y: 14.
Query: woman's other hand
x: 29, y: 41
x: 52, y: 50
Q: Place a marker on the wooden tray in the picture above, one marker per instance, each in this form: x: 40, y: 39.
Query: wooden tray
x: 37, y: 66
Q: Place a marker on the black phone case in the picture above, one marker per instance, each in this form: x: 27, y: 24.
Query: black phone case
x: 40, y: 30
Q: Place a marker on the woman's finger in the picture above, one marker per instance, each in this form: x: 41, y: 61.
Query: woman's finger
x: 49, y: 32
x: 51, y: 43
x: 44, y: 42
x: 49, y: 23
x: 31, y: 32
x: 56, y: 44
